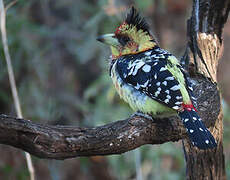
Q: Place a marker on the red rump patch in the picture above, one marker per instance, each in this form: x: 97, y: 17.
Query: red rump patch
x: 188, y: 107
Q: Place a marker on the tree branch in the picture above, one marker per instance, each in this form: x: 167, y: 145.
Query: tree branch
x: 61, y: 142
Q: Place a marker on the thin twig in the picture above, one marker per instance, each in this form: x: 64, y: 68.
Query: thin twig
x: 12, y: 79
x: 138, y: 164
x: 8, y: 6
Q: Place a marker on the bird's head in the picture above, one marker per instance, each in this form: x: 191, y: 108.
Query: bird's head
x: 131, y: 37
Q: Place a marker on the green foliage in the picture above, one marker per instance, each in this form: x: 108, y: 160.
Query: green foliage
x: 9, y: 172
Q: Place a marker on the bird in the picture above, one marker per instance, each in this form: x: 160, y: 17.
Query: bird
x: 151, y: 80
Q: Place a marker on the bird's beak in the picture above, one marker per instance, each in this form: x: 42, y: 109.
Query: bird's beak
x: 109, y: 39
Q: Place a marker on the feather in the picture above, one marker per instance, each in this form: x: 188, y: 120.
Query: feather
x: 133, y: 18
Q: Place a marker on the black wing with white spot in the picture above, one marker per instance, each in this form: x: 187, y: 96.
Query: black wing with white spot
x: 151, y: 76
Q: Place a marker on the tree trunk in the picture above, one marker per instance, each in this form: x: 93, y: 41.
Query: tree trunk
x: 204, y: 51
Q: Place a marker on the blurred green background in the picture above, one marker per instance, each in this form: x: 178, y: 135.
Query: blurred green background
x: 62, y: 78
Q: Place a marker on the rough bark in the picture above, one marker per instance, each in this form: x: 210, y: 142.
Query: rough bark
x: 204, y: 51
x: 60, y: 142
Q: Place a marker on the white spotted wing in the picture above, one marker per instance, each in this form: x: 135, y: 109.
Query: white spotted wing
x: 151, y: 76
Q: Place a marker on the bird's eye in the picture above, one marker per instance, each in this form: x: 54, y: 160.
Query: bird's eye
x: 124, y: 40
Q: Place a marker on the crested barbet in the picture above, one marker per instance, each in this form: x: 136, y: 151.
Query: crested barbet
x: 151, y: 80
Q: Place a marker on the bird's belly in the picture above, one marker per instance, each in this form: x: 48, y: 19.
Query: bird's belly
x: 138, y: 100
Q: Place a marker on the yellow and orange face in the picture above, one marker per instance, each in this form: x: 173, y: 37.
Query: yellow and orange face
x: 131, y: 37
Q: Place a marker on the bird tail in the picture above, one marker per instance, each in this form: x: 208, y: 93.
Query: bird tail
x: 199, y: 135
